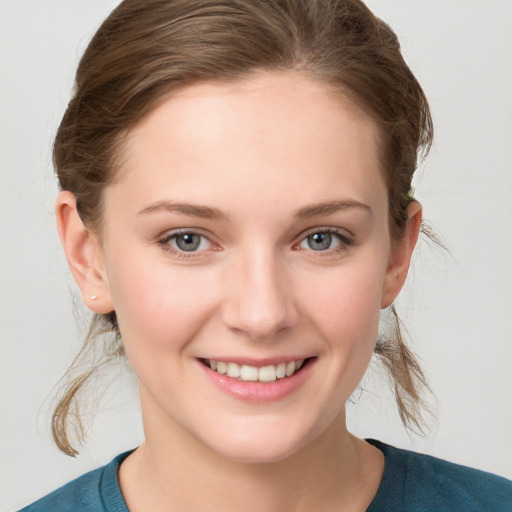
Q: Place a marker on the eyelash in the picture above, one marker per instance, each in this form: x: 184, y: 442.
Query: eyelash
x: 164, y: 242
x: 345, y: 241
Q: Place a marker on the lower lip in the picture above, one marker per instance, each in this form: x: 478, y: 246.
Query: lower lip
x: 259, y: 391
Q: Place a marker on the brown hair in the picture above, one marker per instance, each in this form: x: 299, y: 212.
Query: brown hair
x: 146, y: 49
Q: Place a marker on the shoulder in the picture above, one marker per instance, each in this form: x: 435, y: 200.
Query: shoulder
x: 417, y: 482
x: 95, y: 491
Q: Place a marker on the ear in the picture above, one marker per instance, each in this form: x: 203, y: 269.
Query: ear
x: 84, y: 255
x: 400, y: 256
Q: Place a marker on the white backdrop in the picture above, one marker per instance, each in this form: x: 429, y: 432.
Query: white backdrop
x: 457, y: 308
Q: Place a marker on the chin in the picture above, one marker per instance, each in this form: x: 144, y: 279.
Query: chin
x: 267, y: 443
x: 248, y: 453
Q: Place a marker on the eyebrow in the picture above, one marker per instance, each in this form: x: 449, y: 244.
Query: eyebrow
x: 206, y: 212
x: 191, y: 210
x: 330, y: 207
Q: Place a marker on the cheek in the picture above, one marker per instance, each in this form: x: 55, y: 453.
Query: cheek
x: 347, y: 301
x: 345, y: 310
x: 159, y: 305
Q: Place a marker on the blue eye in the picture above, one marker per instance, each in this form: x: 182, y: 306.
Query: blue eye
x: 188, y: 242
x: 323, y: 241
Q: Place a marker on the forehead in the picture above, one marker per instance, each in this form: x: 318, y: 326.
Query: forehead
x: 268, y: 134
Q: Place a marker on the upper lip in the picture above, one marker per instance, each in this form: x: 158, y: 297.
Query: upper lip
x: 260, y: 362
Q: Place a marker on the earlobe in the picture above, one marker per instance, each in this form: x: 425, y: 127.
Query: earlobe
x: 84, y: 255
x: 400, y: 257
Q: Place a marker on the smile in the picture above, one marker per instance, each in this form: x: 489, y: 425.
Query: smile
x: 246, y: 373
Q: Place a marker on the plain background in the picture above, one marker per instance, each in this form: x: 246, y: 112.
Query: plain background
x: 457, y: 308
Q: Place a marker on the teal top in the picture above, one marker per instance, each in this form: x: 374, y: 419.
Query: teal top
x: 411, y: 483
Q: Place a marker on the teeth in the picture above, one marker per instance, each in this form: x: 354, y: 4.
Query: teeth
x: 245, y: 372
x: 267, y: 373
x: 222, y: 367
x: 233, y: 370
x: 248, y: 372
x: 281, y: 370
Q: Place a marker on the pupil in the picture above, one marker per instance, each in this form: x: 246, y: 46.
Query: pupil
x: 188, y: 242
x: 319, y: 241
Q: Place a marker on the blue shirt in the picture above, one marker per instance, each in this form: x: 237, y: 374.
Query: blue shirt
x: 411, y: 483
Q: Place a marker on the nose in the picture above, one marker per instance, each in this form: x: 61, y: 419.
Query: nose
x: 261, y: 301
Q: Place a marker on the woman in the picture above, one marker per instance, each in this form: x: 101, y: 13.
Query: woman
x: 236, y: 207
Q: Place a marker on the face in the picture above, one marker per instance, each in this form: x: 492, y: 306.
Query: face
x: 246, y: 252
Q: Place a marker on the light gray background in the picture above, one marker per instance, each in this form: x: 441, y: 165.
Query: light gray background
x: 457, y: 309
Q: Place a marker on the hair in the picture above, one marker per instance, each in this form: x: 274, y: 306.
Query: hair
x: 148, y: 49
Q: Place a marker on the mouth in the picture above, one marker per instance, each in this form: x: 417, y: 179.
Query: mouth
x: 248, y: 373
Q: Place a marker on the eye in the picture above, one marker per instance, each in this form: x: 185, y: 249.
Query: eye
x: 186, y: 242
x: 324, y: 240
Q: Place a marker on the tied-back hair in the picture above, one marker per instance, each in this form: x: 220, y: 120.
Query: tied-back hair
x: 148, y: 49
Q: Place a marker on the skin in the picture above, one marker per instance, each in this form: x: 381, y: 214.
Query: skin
x: 258, y: 152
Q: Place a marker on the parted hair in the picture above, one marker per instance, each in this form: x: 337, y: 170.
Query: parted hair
x: 147, y: 49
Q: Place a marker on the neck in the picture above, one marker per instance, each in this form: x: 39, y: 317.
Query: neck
x: 177, y: 472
